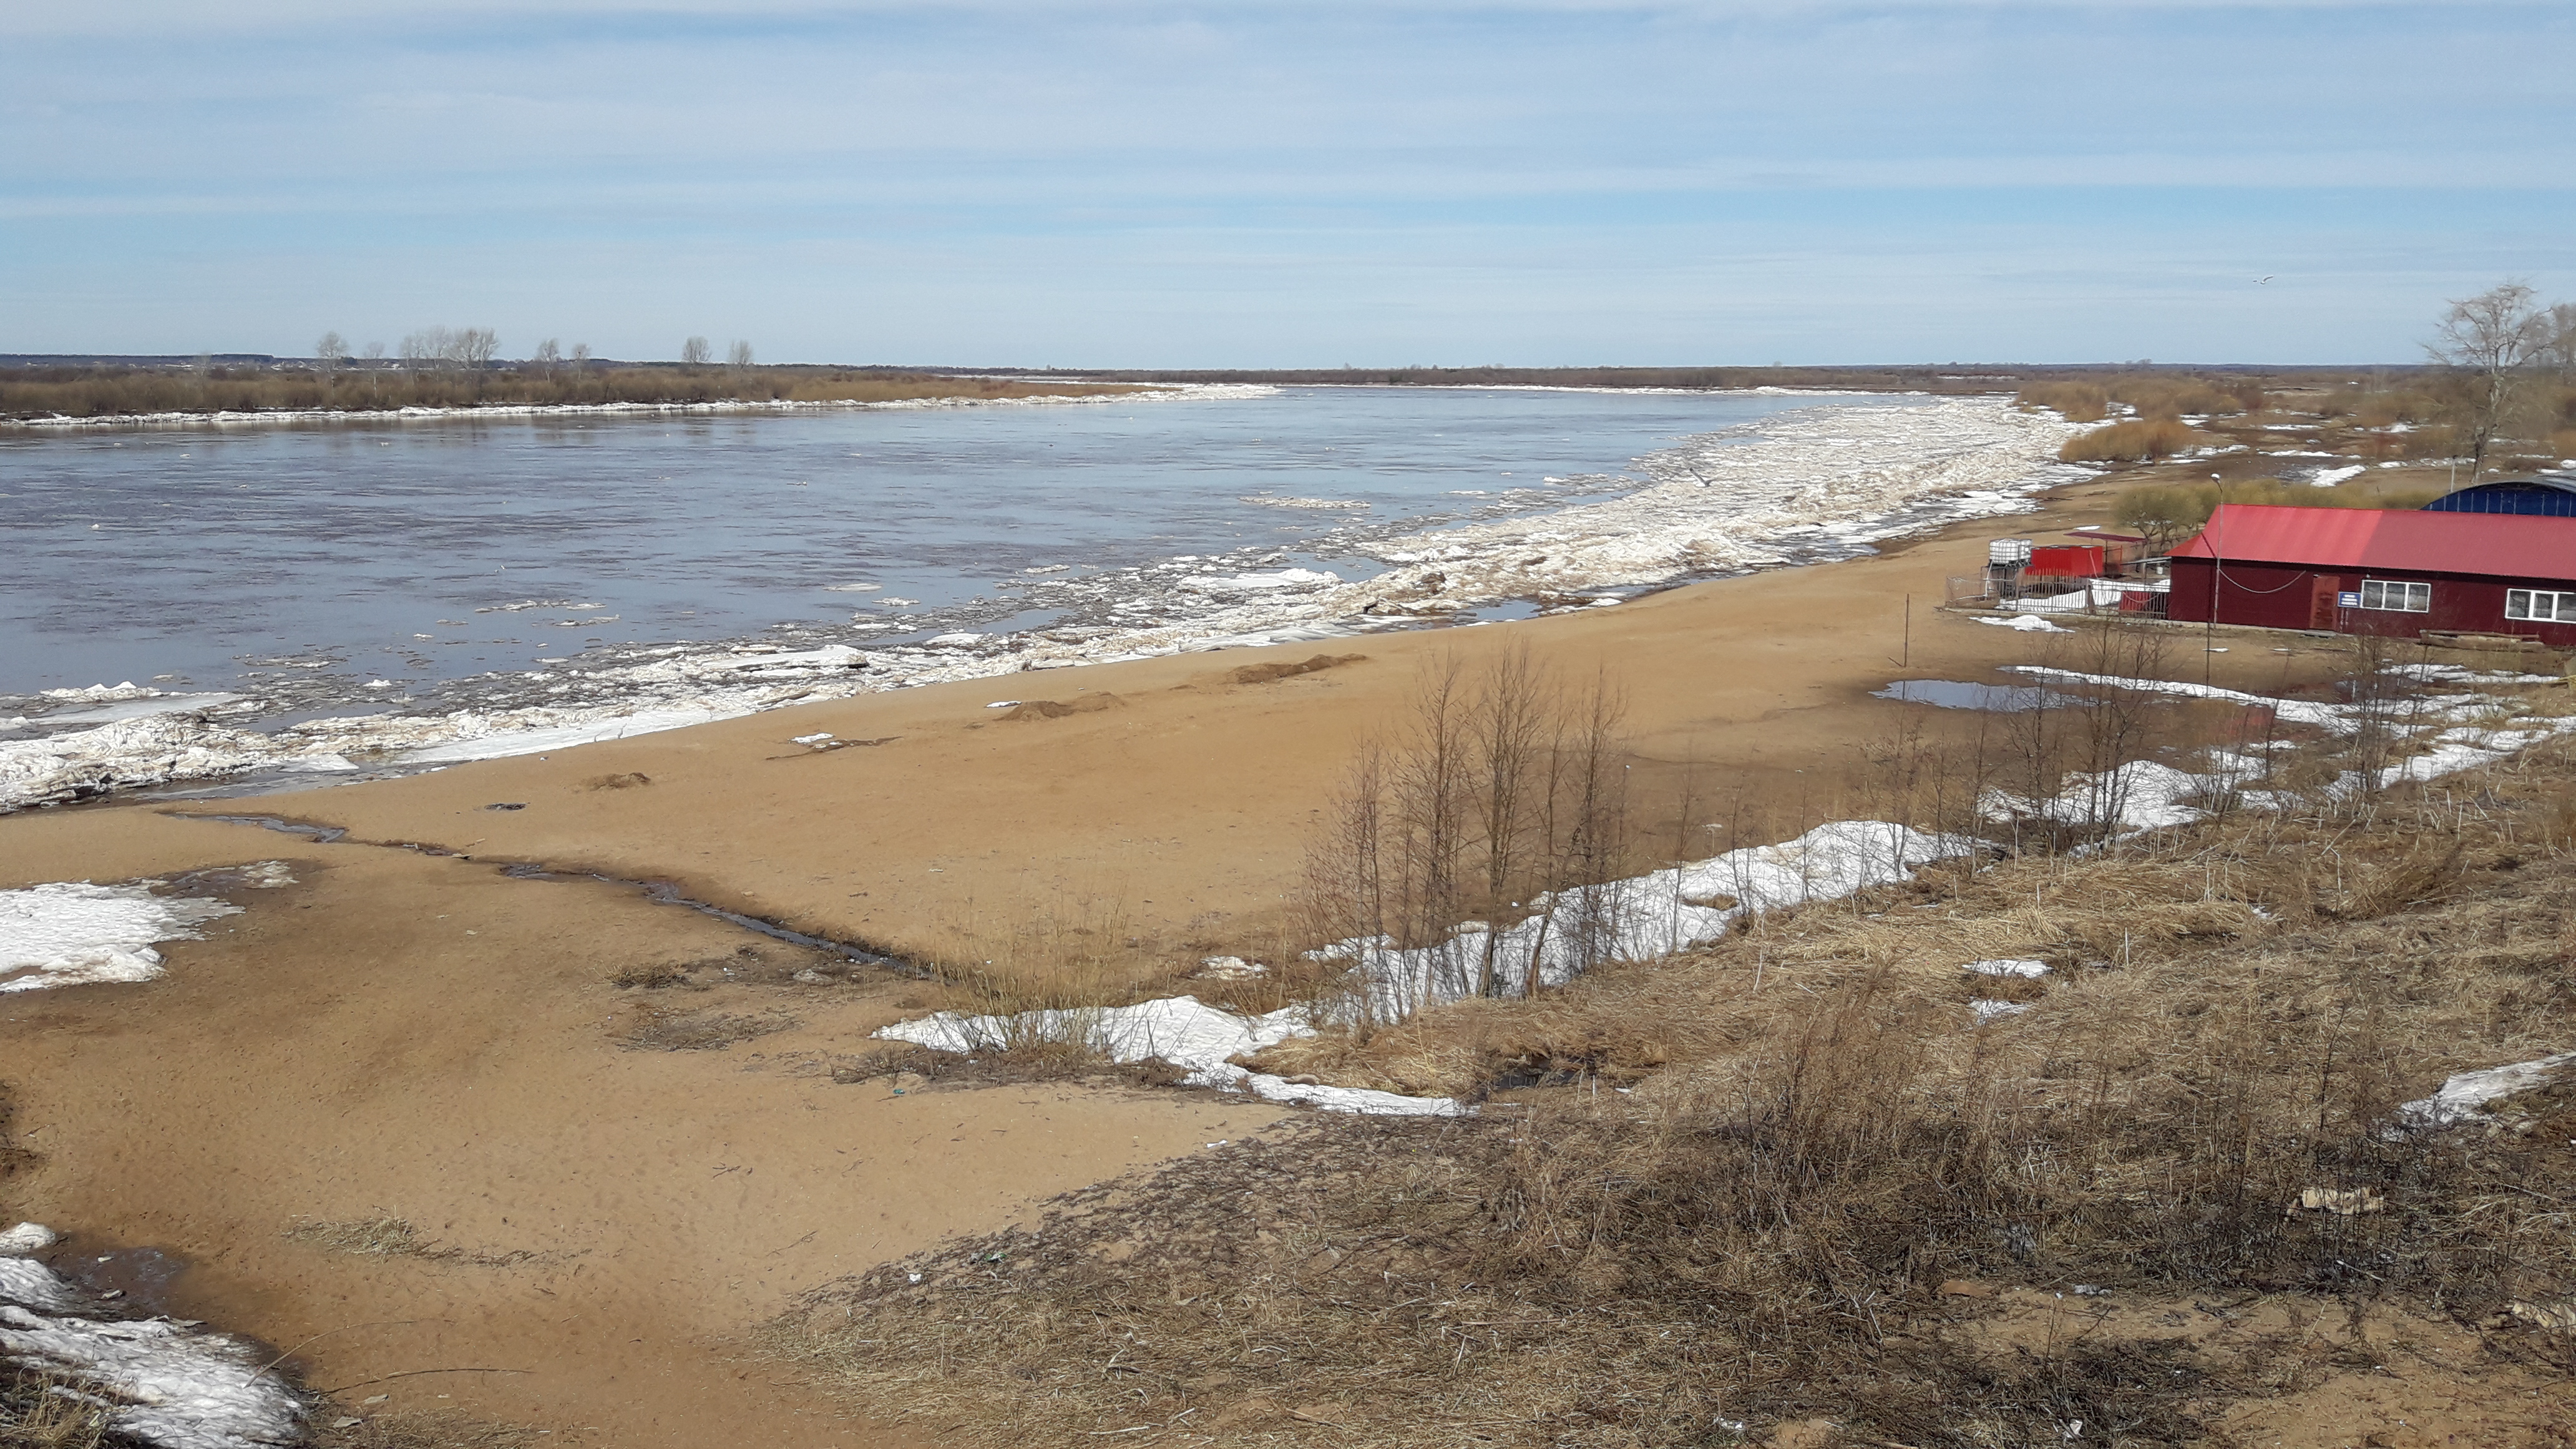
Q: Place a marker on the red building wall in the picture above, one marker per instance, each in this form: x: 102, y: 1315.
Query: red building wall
x: 2291, y: 596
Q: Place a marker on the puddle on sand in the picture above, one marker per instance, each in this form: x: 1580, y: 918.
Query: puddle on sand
x: 140, y: 1279
x: 1959, y: 694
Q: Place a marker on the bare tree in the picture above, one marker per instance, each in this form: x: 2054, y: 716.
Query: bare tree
x: 738, y: 357
x: 2560, y: 352
x: 428, y: 345
x: 546, y: 355
x: 2492, y: 341
x: 475, y: 347
x: 695, y: 352
x: 375, y: 352
x: 581, y: 357
x: 1509, y: 732
x: 327, y: 353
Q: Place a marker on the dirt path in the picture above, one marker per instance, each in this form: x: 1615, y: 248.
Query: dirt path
x: 403, y: 1036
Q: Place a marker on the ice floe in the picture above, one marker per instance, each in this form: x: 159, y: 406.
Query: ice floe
x: 73, y: 933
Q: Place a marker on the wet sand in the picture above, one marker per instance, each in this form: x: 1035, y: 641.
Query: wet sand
x: 421, y: 1036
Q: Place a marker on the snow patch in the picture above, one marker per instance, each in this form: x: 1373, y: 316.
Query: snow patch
x: 169, y: 1384
x: 74, y: 933
x: 1181, y: 1030
x: 2465, y: 1096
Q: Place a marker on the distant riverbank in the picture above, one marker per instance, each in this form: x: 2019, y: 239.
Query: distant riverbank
x: 107, y: 396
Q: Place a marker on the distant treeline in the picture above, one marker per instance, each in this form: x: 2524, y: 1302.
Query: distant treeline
x: 74, y: 392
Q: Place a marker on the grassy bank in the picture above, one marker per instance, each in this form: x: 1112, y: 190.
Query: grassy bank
x: 99, y: 393
x: 1795, y: 1187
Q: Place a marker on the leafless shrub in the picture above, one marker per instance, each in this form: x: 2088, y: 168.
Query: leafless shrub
x: 1504, y: 798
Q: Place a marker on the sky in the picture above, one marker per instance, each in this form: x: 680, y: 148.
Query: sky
x: 1257, y: 184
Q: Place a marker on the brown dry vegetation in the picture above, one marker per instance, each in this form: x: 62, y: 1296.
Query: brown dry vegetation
x: 89, y: 393
x: 1816, y: 1139
x: 2137, y: 441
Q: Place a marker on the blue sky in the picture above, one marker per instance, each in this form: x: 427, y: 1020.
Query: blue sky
x: 1308, y: 184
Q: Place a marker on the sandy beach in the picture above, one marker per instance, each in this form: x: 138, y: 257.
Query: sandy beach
x: 605, y: 1187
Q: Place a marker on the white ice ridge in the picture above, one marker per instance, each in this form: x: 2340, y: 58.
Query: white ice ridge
x: 168, y: 1384
x: 1181, y: 1030
x: 660, y: 694
x: 1640, y: 918
x: 2465, y: 1096
x: 74, y: 933
x: 1812, y: 483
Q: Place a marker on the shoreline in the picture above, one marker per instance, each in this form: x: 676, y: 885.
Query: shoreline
x: 494, y: 1086
x: 1810, y: 485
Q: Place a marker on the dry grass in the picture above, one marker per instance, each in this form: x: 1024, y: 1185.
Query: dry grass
x: 387, y: 1236
x: 1817, y: 1138
x: 2135, y: 441
x: 668, y: 1029
x: 40, y: 1412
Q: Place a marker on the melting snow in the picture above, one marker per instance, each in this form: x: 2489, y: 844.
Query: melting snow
x: 75, y: 933
x: 1182, y: 1030
x: 2465, y: 1096
x: 169, y: 1384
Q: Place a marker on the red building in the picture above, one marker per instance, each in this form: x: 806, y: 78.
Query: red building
x: 2380, y: 571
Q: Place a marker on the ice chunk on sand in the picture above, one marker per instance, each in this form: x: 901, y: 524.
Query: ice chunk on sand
x: 74, y: 933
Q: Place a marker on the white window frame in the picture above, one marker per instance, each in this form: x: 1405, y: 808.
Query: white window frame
x: 2540, y: 606
x: 2411, y: 596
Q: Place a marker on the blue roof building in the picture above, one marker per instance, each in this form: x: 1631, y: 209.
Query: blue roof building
x: 2546, y: 495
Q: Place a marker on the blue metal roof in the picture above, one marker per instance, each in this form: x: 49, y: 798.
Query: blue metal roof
x: 2548, y: 495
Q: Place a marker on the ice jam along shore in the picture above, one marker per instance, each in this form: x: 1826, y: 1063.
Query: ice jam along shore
x: 1810, y: 485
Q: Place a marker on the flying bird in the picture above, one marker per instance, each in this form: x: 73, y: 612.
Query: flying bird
x: 2266, y: 277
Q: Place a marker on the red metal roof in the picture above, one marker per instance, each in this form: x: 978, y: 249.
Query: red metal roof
x: 2401, y: 540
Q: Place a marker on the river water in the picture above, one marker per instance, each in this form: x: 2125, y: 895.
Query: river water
x: 350, y: 591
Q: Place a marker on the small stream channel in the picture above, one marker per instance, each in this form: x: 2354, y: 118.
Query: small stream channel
x: 659, y: 892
